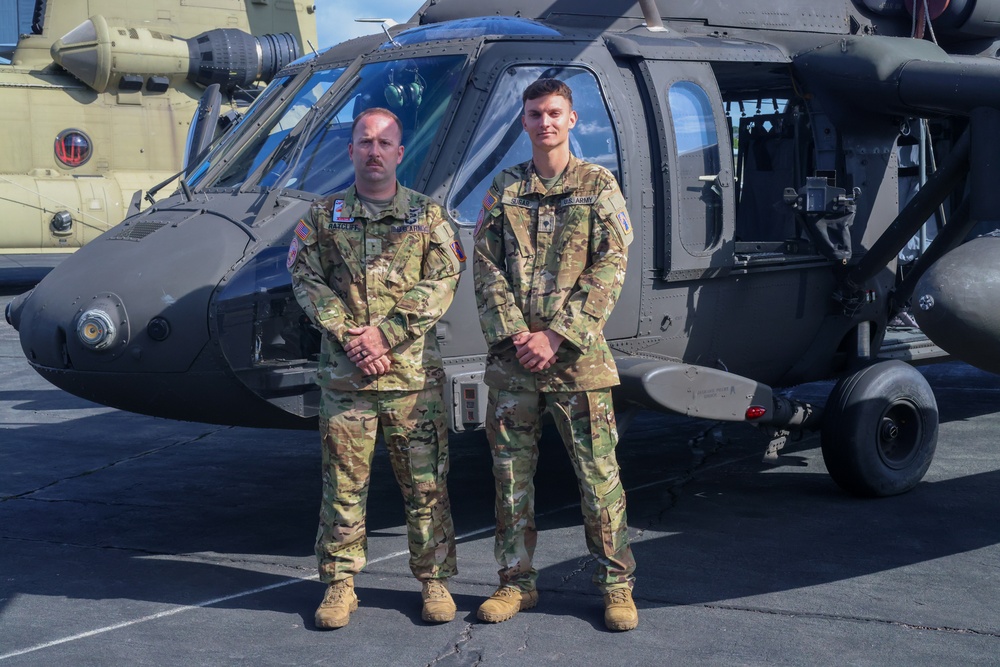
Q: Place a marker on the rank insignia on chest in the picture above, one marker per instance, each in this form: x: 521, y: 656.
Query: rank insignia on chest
x: 338, y: 212
x: 304, y: 231
x: 623, y: 222
x: 456, y: 248
x: 413, y: 215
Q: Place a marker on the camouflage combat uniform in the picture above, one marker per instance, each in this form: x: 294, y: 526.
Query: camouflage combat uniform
x: 397, y: 271
x: 554, y: 260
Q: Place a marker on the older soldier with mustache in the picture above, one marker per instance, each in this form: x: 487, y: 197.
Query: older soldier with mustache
x: 375, y: 267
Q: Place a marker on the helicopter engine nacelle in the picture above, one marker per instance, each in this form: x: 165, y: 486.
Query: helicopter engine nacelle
x: 104, y: 56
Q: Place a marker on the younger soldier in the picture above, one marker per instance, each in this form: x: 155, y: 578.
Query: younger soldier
x: 375, y: 267
x: 551, y: 246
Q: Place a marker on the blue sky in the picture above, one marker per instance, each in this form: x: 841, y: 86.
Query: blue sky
x: 335, y: 18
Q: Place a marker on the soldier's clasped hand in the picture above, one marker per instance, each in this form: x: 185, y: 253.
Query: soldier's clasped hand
x: 537, y: 351
x: 368, y: 344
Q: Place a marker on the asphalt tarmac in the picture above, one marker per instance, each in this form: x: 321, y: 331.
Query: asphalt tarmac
x: 130, y: 540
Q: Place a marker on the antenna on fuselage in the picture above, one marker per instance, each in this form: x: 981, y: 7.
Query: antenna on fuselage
x: 652, y: 15
x: 386, y: 24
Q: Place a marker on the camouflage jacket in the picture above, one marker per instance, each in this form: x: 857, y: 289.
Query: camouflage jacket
x: 551, y: 260
x: 397, y: 272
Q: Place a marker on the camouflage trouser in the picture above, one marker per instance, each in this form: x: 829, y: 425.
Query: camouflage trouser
x: 416, y: 434
x: 586, y: 422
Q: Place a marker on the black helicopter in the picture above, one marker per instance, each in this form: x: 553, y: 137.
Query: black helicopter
x: 758, y: 146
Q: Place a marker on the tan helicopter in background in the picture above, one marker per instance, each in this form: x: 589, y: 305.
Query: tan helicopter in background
x: 98, y: 99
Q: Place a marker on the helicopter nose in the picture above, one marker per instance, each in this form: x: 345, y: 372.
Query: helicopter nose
x: 957, y: 303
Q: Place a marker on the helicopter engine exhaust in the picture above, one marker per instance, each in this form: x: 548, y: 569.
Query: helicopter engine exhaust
x: 132, y: 58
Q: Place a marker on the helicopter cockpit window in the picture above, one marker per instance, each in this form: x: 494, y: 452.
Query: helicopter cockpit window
x: 697, y: 145
x: 500, y: 140
x: 224, y: 140
x: 270, y: 135
x: 418, y: 90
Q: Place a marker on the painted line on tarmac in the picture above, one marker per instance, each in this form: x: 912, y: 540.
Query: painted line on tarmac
x: 281, y: 584
x: 206, y: 603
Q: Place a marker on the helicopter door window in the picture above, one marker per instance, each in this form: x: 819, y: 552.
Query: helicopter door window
x: 697, y: 146
x: 418, y: 90
x: 500, y: 140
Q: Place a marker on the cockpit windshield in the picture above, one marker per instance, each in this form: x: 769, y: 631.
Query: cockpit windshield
x: 269, y: 135
x: 418, y: 90
x: 221, y: 143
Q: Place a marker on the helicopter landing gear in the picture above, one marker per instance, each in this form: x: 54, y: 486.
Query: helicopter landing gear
x: 880, y: 430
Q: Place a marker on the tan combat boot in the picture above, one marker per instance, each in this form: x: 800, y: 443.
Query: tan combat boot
x: 338, y: 603
x: 438, y: 605
x: 507, y: 601
x: 619, y: 610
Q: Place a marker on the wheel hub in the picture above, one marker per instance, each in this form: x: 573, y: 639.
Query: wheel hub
x: 900, y: 433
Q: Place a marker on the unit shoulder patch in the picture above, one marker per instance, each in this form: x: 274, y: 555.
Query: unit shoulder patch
x: 293, y: 253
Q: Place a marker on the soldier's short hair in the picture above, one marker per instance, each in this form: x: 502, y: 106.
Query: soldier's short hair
x: 543, y: 87
x: 377, y: 111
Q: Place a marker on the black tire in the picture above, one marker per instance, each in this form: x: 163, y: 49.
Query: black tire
x: 880, y: 430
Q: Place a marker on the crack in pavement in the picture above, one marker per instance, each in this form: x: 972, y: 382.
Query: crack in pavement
x: 785, y: 613
x: 464, y: 638
x: 703, y: 455
x: 582, y: 566
x: 850, y: 618
x: 148, y: 452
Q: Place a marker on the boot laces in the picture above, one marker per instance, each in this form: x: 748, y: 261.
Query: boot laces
x: 618, y: 596
x: 336, y: 592
x: 436, y: 590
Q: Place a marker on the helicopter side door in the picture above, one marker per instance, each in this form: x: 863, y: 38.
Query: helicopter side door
x: 695, y: 233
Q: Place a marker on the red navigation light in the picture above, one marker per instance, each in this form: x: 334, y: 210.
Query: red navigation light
x: 756, y: 412
x: 73, y: 148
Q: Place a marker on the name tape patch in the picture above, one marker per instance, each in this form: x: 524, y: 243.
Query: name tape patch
x: 520, y: 202
x: 577, y: 201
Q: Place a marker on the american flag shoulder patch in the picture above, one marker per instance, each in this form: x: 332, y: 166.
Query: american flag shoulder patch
x: 490, y: 200
x: 624, y: 222
x: 304, y: 231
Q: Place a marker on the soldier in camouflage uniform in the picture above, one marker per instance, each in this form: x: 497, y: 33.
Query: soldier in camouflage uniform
x: 551, y: 247
x: 375, y: 267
